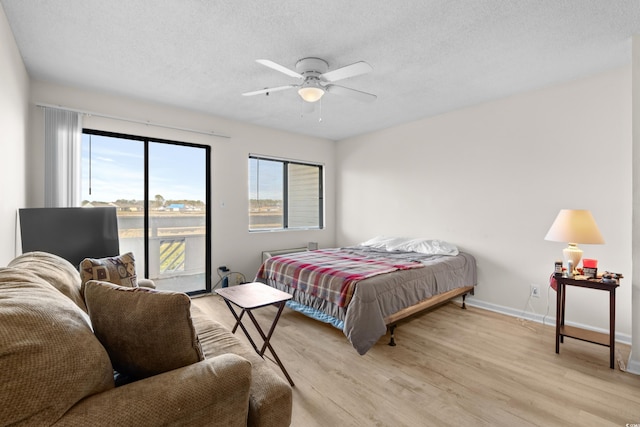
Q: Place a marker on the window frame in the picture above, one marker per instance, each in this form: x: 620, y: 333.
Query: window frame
x: 285, y: 193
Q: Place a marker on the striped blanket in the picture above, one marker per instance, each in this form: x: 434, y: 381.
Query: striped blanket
x: 330, y: 274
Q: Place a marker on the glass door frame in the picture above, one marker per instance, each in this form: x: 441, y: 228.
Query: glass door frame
x: 146, y: 220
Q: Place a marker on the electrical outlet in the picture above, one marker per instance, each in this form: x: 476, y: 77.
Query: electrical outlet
x: 535, y: 291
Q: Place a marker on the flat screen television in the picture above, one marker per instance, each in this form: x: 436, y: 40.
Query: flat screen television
x: 71, y: 233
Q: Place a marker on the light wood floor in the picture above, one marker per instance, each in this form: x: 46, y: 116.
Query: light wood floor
x: 451, y: 367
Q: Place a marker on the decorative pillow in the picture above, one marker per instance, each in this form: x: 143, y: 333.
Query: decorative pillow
x: 55, y: 270
x: 119, y: 270
x: 49, y: 357
x: 145, y: 331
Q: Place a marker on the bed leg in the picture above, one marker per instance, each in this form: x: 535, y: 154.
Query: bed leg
x: 464, y: 306
x: 392, y: 328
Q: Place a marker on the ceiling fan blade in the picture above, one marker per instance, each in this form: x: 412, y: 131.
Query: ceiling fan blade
x: 268, y: 90
x: 352, y: 93
x: 279, y: 67
x: 347, y: 71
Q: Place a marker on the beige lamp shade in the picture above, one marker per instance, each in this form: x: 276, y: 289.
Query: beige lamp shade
x: 574, y: 226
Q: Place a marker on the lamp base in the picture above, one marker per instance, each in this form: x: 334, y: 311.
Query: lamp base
x: 573, y: 253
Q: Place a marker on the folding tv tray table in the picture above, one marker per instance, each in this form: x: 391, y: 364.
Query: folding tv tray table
x: 251, y: 296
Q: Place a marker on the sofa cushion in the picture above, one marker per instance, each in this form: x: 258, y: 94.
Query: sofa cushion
x: 55, y: 270
x: 145, y: 331
x: 119, y: 270
x: 49, y: 357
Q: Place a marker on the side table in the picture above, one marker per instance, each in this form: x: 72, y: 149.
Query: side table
x: 607, y: 340
x: 249, y: 297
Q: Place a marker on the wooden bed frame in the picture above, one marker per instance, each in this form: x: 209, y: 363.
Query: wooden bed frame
x: 392, y: 320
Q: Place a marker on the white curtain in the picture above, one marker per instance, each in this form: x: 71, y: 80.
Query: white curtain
x: 63, y: 143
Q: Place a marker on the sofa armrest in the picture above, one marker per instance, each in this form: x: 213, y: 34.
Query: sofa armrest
x: 146, y: 283
x: 211, y: 392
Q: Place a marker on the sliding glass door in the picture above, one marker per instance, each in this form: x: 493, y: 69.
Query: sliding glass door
x: 161, y: 192
x: 178, y: 215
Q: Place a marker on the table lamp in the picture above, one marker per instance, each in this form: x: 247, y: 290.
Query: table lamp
x: 574, y: 226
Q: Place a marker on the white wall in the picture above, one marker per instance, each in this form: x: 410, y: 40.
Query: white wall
x: 634, y: 358
x: 491, y: 178
x: 14, y: 98
x: 232, y: 244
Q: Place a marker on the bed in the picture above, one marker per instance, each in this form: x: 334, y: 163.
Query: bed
x: 367, y: 288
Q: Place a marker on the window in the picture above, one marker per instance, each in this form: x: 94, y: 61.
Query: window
x: 161, y: 191
x: 284, y: 194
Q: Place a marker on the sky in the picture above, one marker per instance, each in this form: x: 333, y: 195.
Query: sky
x: 116, y: 167
x: 269, y: 175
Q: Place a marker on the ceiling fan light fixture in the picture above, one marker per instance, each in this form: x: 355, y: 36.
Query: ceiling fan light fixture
x: 311, y: 93
x: 316, y: 79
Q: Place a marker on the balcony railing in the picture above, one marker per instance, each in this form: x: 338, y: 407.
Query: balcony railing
x: 176, y: 249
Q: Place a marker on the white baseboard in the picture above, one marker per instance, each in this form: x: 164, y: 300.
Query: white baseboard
x: 539, y: 318
x: 633, y: 366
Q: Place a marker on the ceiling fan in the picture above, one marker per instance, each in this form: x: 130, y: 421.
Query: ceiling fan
x: 316, y: 79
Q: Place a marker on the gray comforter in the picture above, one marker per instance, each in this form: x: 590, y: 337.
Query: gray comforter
x: 378, y: 297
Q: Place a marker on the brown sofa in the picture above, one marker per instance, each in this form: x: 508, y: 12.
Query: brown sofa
x: 57, y: 357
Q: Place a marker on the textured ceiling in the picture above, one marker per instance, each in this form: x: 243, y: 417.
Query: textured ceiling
x: 428, y: 56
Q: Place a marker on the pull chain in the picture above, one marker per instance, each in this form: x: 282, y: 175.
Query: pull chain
x: 89, y: 164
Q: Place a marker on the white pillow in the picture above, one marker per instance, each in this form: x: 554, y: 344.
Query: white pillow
x: 426, y: 246
x: 383, y: 242
x: 405, y: 244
